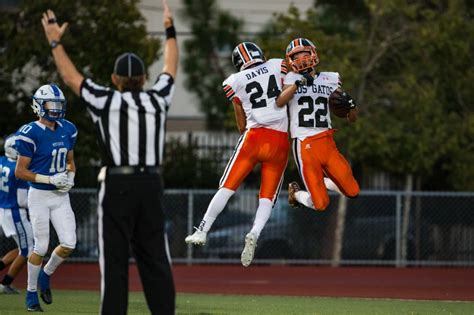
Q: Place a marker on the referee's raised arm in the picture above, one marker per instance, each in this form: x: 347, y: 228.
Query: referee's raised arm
x: 171, y: 47
x: 54, y: 32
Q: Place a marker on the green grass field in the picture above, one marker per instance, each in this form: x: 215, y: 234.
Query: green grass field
x: 87, y: 302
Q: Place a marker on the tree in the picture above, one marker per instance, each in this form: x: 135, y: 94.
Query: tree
x: 207, y: 58
x: 392, y: 57
x: 99, y: 31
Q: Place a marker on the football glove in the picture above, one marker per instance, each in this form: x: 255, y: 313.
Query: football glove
x: 70, y: 183
x: 307, y: 80
x: 339, y: 99
x: 59, y: 180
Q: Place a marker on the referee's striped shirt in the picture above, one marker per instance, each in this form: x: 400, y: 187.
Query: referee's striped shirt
x: 131, y: 125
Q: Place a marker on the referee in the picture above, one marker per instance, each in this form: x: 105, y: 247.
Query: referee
x: 130, y: 125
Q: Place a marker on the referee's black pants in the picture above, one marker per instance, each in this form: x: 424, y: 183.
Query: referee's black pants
x: 131, y: 216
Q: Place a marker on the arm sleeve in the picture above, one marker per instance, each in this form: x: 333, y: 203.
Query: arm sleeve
x: 334, y: 78
x: 164, y: 88
x: 291, y: 78
x: 25, y: 143
x: 94, y: 95
x: 227, y: 85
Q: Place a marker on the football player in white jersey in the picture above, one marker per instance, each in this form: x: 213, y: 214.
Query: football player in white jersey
x: 253, y: 91
x: 307, y: 94
x: 46, y: 160
x: 15, y: 223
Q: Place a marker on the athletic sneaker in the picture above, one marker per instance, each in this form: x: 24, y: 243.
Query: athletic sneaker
x: 45, y: 289
x: 249, y: 249
x: 32, y: 302
x: 197, y: 238
x: 293, y: 187
x: 7, y: 289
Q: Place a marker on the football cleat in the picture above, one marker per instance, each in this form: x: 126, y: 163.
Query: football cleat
x: 293, y: 188
x: 32, y: 302
x: 197, y: 238
x: 249, y: 249
x: 45, y: 289
x: 6, y: 289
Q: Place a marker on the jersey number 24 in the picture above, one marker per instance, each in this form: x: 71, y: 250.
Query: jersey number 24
x: 256, y: 89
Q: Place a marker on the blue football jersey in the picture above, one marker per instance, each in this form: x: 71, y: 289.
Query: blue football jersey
x: 9, y: 184
x: 47, y: 148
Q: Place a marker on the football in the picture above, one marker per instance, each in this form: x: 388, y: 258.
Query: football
x: 337, y: 107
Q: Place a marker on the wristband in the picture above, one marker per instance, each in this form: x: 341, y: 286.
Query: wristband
x: 54, y: 43
x: 170, y: 32
x: 43, y: 179
x: 70, y: 175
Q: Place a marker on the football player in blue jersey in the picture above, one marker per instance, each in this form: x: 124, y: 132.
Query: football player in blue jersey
x: 13, y: 203
x: 46, y: 160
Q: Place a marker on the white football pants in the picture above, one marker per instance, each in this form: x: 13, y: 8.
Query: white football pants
x: 46, y: 205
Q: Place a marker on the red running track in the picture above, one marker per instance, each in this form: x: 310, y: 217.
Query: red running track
x: 367, y: 282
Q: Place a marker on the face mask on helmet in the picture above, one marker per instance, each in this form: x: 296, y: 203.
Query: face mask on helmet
x: 49, y: 103
x: 246, y: 54
x: 301, y: 55
x: 10, y: 148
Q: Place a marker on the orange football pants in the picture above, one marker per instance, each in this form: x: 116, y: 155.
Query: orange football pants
x: 318, y: 155
x: 258, y: 145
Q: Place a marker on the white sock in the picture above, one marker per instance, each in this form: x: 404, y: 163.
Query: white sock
x: 304, y: 198
x: 261, y: 217
x: 217, y: 204
x: 33, y: 272
x: 330, y: 185
x: 53, y: 263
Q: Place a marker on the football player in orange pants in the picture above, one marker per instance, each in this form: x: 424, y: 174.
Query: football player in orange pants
x: 253, y: 91
x: 315, y: 151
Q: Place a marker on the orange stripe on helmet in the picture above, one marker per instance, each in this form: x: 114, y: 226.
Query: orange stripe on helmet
x: 295, y: 42
x: 244, y: 54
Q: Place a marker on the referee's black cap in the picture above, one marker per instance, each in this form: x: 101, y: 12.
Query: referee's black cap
x: 129, y: 65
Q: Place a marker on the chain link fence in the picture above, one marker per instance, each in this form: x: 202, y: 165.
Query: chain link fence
x: 377, y: 228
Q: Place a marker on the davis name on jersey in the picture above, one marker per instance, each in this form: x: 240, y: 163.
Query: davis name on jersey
x: 309, y: 108
x: 47, y: 148
x: 256, y: 89
x: 9, y: 184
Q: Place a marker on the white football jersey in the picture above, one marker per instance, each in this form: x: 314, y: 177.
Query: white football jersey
x: 257, y: 89
x: 309, y: 108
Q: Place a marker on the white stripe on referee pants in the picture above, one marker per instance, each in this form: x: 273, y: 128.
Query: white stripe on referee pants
x: 100, y: 213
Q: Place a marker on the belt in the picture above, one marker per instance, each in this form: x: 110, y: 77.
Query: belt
x: 133, y: 170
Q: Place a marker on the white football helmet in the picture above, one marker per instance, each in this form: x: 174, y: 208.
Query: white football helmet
x: 303, y: 63
x: 49, y: 102
x: 10, y: 150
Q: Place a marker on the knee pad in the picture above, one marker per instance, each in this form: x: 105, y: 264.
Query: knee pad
x: 41, y: 247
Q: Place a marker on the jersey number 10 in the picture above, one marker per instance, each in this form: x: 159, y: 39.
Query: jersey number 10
x: 58, y: 163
